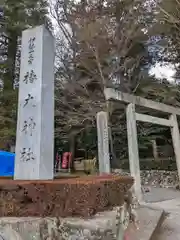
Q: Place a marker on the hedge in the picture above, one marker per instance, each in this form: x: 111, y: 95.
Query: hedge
x: 62, y: 198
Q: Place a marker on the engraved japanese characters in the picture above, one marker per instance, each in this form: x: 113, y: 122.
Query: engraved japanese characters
x: 29, y: 124
x: 35, y: 126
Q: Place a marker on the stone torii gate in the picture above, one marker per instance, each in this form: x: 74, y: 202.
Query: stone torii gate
x: 132, y: 117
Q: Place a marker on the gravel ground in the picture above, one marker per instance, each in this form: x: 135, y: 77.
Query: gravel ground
x: 156, y: 178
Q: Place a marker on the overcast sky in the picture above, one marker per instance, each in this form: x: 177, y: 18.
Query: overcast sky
x: 163, y: 72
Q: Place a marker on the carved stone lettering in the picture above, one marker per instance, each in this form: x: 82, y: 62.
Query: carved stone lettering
x: 28, y: 99
x: 29, y: 126
x: 26, y: 154
x: 31, y: 49
x: 30, y: 77
x: 35, y: 124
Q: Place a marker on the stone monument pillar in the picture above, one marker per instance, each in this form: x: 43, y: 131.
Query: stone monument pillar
x: 103, y: 143
x: 35, y: 126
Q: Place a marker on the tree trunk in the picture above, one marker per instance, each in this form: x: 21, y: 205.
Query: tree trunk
x: 9, y: 95
x: 11, y: 61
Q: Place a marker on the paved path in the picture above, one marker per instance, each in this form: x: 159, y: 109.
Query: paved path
x: 170, y: 229
x: 161, y: 194
x: 169, y: 200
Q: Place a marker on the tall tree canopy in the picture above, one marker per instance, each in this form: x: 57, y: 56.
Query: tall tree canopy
x: 98, y: 44
x: 106, y: 43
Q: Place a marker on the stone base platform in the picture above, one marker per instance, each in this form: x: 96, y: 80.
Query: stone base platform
x: 170, y: 229
x: 100, y: 227
x: 81, y: 197
x: 150, y: 221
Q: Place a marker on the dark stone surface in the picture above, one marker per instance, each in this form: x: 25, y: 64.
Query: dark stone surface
x: 71, y: 197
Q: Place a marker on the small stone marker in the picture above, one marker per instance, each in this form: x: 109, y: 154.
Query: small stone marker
x: 35, y: 126
x: 103, y: 143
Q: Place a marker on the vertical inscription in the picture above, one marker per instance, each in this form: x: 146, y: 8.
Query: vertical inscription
x: 31, y: 49
x: 35, y: 125
x: 26, y: 153
x: 103, y: 143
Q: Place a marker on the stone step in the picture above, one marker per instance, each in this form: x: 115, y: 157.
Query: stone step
x: 100, y: 227
x: 170, y: 228
x: 150, y: 220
